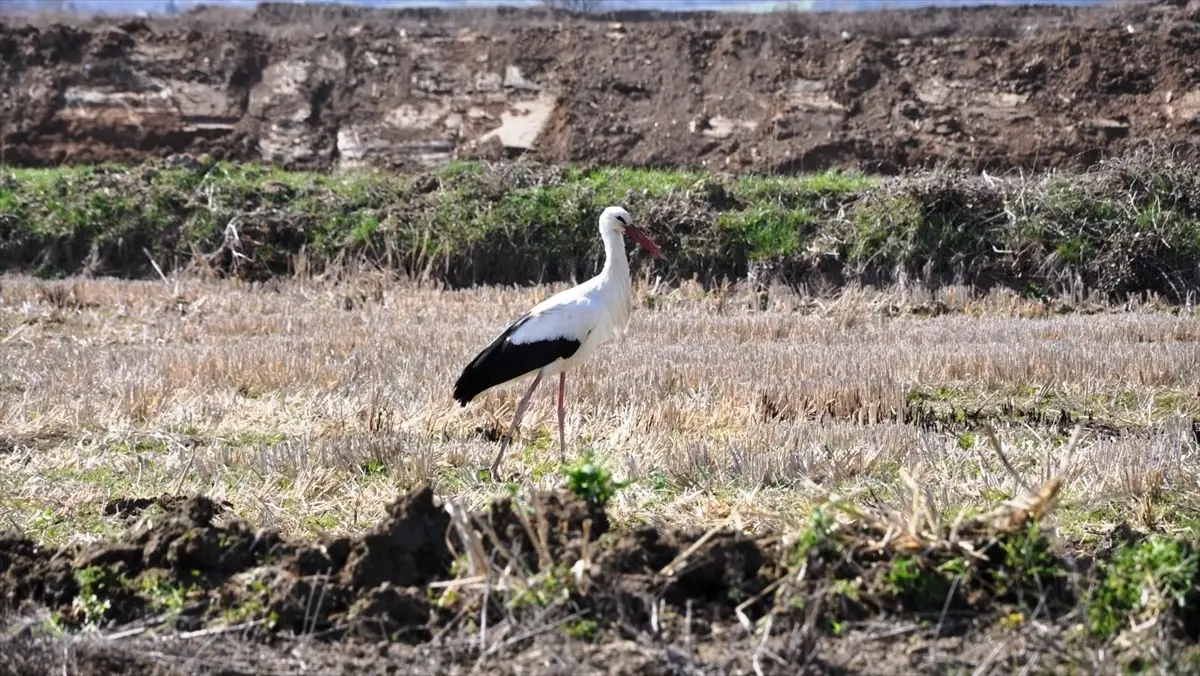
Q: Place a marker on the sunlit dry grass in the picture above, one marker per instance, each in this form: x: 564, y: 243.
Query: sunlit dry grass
x: 308, y: 404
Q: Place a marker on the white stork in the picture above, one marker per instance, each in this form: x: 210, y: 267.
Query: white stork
x: 561, y: 331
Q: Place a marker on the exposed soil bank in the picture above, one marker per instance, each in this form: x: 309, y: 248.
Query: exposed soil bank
x: 320, y: 87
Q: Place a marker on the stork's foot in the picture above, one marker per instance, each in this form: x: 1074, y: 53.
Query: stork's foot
x: 494, y: 470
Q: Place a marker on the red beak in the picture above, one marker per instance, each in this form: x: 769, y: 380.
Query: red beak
x: 641, y: 238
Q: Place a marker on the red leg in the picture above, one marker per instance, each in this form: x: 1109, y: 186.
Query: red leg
x: 521, y: 408
x: 562, y: 416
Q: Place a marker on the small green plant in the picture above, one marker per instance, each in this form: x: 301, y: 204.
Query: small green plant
x: 1013, y: 620
x: 591, y: 482
x: 242, y: 612
x: 162, y: 593
x: 850, y: 589
x: 956, y: 567
x: 153, y: 446
x: 92, y: 600
x: 548, y: 587
x: 924, y: 589
x: 583, y: 630
x: 253, y: 606
x: 905, y: 575
x: 53, y: 625
x: 460, y: 566
x: 820, y: 527
x: 1026, y: 563
x: 1142, y: 582
x: 373, y: 467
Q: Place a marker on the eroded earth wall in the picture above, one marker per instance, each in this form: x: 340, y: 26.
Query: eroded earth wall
x: 777, y: 93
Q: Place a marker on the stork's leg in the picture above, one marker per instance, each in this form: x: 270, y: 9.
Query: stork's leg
x: 521, y: 407
x: 562, y: 416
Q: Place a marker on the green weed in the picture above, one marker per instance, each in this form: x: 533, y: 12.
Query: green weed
x: 815, y: 535
x: 92, y: 600
x: 583, y: 630
x: 252, y: 606
x: 162, y: 593
x: 1143, y: 581
x: 547, y: 588
x: 592, y: 482
x: 1026, y: 565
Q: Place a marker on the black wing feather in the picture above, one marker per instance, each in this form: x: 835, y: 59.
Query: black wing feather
x: 502, y: 361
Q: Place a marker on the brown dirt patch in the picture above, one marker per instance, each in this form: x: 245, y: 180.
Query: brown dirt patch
x: 995, y: 88
x: 127, y: 508
x: 188, y: 548
x: 497, y: 592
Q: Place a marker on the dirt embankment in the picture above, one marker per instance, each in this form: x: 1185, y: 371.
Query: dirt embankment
x: 546, y: 587
x: 319, y: 88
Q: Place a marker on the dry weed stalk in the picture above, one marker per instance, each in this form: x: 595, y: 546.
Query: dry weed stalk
x: 505, y: 577
x: 922, y: 529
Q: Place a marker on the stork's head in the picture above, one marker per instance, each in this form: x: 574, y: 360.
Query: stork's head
x: 616, y: 219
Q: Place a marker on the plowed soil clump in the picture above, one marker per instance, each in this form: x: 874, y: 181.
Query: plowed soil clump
x: 195, y: 571
x: 318, y: 87
x: 542, y: 585
x: 247, y: 571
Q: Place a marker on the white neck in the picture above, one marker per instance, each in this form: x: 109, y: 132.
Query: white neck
x: 613, y: 281
x: 614, y: 255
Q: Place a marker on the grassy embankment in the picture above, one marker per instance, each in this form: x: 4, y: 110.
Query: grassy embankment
x: 1130, y: 227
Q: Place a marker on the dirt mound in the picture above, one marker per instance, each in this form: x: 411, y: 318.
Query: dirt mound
x: 127, y: 508
x: 434, y: 585
x: 248, y: 572
x: 991, y: 88
x: 375, y: 585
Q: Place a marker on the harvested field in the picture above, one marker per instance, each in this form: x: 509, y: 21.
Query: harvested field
x: 306, y: 404
x: 319, y: 87
x: 302, y: 407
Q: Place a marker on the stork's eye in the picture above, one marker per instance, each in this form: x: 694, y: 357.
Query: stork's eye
x: 624, y: 222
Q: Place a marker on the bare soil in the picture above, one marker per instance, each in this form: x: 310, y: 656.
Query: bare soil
x: 398, y: 598
x: 320, y: 87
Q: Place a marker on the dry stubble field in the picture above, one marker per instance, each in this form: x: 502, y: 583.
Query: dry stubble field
x: 305, y: 407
